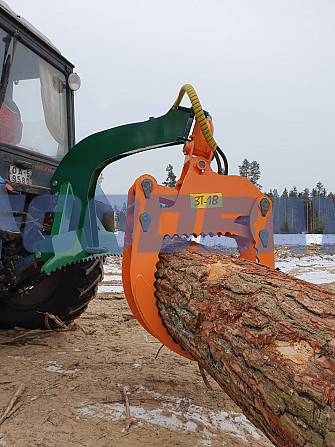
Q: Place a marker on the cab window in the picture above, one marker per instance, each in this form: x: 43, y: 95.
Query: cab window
x: 33, y: 105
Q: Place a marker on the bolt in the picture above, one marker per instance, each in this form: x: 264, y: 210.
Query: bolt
x: 147, y: 186
x: 54, y: 183
x: 265, y: 206
x: 145, y: 220
x: 38, y: 255
x: 146, y: 183
x: 201, y: 164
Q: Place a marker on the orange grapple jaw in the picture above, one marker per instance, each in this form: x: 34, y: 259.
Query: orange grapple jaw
x: 204, y: 203
x: 198, y: 145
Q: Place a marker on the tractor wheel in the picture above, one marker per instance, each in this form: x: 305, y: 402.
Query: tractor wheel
x: 65, y: 294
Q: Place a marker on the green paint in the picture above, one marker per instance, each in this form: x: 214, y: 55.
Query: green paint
x: 75, y: 182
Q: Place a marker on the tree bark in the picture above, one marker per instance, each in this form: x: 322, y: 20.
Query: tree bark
x: 265, y: 337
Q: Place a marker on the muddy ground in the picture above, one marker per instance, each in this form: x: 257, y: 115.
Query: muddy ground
x: 77, y: 386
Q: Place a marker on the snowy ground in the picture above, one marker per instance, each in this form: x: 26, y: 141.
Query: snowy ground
x: 302, y: 240
x: 317, y: 267
x: 75, y: 384
x: 302, y: 256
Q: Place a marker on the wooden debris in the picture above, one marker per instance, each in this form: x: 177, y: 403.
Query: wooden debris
x: 127, y: 317
x: 159, y: 350
x: 204, y: 378
x: 11, y: 407
x: 63, y: 327
x: 128, y: 417
x: 25, y: 334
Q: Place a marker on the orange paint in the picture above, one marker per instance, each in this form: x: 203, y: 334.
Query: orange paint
x: 202, y: 202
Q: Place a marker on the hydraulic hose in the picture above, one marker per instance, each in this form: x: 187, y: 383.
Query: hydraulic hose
x: 218, y: 162
x: 224, y: 158
x: 199, y: 113
x: 200, y: 117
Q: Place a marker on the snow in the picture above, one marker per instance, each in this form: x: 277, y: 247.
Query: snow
x: 303, y: 239
x: 112, y: 268
x: 317, y: 269
x: 112, y: 278
x: 279, y: 240
x: 111, y: 289
x: 317, y: 277
x: 17, y: 357
x: 2, y: 441
x: 53, y: 367
x: 177, y: 414
x: 227, y: 242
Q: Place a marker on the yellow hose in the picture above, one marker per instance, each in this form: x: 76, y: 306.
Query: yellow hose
x: 199, y: 113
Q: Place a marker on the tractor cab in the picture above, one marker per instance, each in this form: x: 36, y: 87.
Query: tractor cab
x: 36, y: 104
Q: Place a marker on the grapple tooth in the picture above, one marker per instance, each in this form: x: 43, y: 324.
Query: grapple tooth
x: 87, y: 258
x: 187, y: 236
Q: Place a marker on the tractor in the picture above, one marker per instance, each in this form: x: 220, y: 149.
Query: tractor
x: 54, y: 233
x: 36, y: 131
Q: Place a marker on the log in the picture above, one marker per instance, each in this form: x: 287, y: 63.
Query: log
x: 265, y: 337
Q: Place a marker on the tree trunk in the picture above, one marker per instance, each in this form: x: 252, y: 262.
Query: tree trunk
x: 265, y: 337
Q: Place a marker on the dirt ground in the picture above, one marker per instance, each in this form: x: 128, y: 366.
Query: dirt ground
x: 108, y: 388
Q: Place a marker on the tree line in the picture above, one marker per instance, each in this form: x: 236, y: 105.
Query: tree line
x: 306, y: 211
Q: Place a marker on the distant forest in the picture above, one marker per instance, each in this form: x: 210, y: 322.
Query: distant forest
x: 296, y: 212
x: 303, y: 212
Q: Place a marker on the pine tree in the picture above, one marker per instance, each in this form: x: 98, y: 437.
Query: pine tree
x: 320, y: 190
x: 116, y: 217
x: 270, y: 195
x: 331, y: 195
x: 171, y: 178
x: 122, y: 217
x: 293, y: 192
x: 250, y: 171
x: 307, y: 206
x: 244, y: 169
x: 275, y: 195
x: 317, y: 192
x: 255, y: 174
x: 318, y: 226
x: 284, y: 228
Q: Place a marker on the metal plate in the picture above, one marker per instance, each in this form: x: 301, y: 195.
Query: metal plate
x: 206, y: 200
x: 20, y: 175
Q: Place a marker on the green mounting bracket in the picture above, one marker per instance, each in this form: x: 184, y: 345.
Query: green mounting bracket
x: 75, y: 234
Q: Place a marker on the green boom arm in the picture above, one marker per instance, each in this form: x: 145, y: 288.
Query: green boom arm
x: 75, y: 182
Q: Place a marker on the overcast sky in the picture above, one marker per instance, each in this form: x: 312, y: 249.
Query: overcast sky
x: 264, y: 69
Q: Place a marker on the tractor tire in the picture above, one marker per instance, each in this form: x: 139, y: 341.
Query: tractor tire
x: 65, y: 294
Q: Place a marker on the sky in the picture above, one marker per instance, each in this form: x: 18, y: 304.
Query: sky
x: 264, y: 69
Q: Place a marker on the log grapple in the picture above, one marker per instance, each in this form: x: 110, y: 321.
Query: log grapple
x: 203, y: 202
